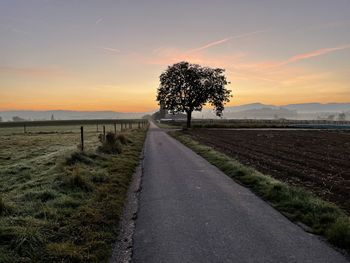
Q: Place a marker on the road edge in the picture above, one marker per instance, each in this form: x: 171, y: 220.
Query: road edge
x: 123, y: 247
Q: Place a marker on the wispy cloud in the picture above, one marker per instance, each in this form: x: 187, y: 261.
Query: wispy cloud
x: 222, y: 41
x: 211, y: 44
x: 98, y: 20
x: 315, y: 53
x: 110, y: 49
x: 275, y: 65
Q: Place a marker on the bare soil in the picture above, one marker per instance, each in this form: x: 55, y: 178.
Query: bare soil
x: 316, y: 160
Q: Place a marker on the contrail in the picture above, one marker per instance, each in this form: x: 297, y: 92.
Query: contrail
x: 99, y: 21
x: 218, y: 42
x: 110, y: 49
x: 314, y: 53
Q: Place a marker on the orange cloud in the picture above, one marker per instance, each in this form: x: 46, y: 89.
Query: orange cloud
x: 170, y: 55
x: 275, y: 66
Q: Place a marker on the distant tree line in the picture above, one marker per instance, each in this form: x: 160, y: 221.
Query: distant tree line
x: 340, y: 117
x: 18, y: 119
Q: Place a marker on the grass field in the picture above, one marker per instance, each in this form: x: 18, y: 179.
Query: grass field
x: 56, y: 203
x: 298, y: 204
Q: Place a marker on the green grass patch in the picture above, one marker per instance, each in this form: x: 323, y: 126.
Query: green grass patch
x: 65, y: 207
x: 299, y: 205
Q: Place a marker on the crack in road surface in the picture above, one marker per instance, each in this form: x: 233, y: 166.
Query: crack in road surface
x: 189, y: 211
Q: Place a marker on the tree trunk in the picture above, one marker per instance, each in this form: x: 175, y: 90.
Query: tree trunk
x: 189, y: 116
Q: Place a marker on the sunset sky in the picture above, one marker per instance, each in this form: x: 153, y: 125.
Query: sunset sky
x: 108, y: 54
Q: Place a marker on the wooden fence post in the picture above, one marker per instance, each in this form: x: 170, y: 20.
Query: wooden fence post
x: 82, y: 138
x: 25, y: 128
x: 97, y: 127
x: 115, y: 128
x: 104, y: 133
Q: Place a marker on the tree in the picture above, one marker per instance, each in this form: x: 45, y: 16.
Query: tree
x: 331, y: 117
x: 52, y: 117
x: 0, y: 119
x: 146, y: 117
x: 156, y: 116
x: 17, y: 119
x: 342, y: 116
x: 162, y: 112
x: 186, y: 87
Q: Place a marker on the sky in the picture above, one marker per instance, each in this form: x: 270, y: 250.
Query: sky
x: 108, y: 54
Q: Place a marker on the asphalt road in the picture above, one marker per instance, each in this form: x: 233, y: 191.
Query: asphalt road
x: 189, y: 211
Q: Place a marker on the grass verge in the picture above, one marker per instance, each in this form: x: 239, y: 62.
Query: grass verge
x: 225, y: 125
x: 70, y: 212
x: 240, y: 125
x: 323, y: 218
x: 169, y: 126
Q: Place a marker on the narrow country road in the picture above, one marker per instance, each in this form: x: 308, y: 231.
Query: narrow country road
x: 189, y: 211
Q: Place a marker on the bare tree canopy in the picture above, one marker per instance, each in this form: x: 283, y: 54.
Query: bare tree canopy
x: 186, y: 87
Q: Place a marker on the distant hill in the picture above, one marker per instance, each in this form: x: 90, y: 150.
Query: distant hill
x: 253, y: 110
x: 70, y: 115
x: 318, y: 107
x: 295, y: 111
x: 252, y: 106
x: 302, y: 107
x: 263, y: 113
